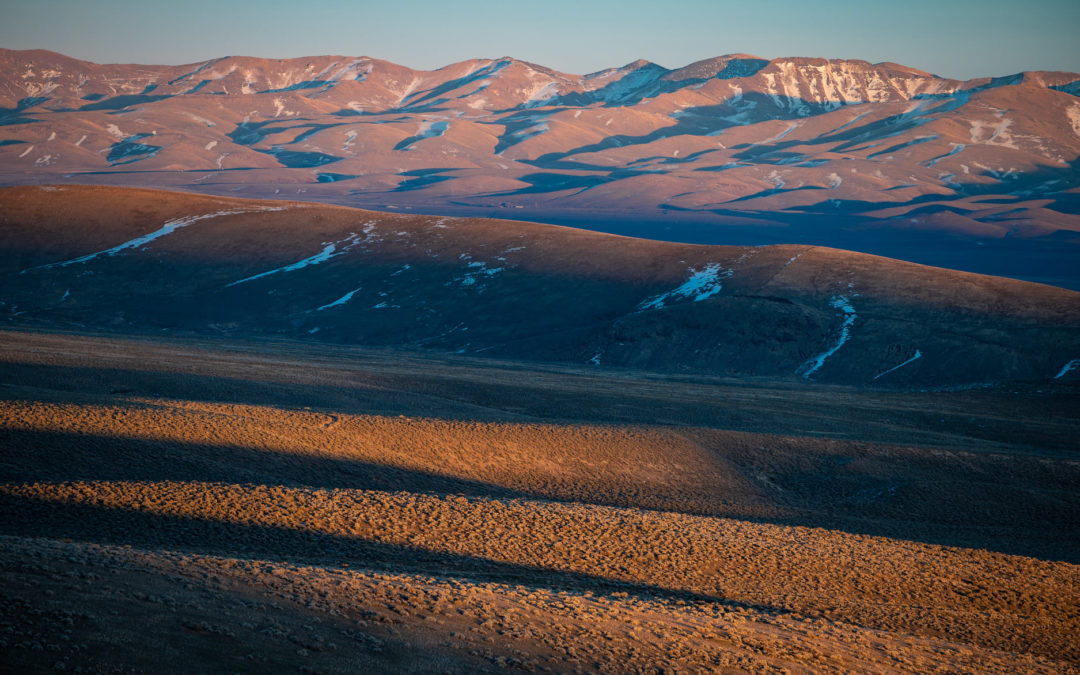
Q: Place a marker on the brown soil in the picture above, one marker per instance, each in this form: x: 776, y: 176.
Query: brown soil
x: 177, y: 505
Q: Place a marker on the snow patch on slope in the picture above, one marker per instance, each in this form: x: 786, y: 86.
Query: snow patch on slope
x: 918, y: 355
x: 702, y: 284
x: 999, y: 133
x: 1067, y: 368
x: 340, y: 301
x: 847, y: 311
x: 168, y: 228
x: 543, y: 95
x: 477, y: 271
x: 329, y: 251
x: 1074, y: 117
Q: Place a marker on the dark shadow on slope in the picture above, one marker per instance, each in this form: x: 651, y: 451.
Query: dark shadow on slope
x: 433, y: 130
x: 900, y: 146
x: 708, y: 69
x: 660, y: 159
x: 306, y: 84
x: 198, y: 87
x: 773, y: 191
x: 250, y: 133
x: 710, y: 120
x: 334, y: 177
x: 520, y: 127
x: 651, y: 80
x: 741, y: 68
x: 847, y: 140
x: 11, y: 116
x: 312, y: 130
x: 29, y: 517
x: 421, y: 178
x: 436, y: 386
x: 198, y: 70
x: 52, y: 456
x: 131, y: 150
x: 123, y: 101
x: 556, y: 182
x: 295, y: 159
x: 413, y: 100
x: 974, y: 502
x: 1072, y: 88
x: 1046, y: 182
x: 635, y: 86
x: 755, y: 108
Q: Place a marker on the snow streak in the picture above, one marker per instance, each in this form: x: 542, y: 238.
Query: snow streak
x: 1068, y: 367
x: 841, y: 303
x: 702, y: 284
x: 340, y: 301
x: 918, y: 354
x: 168, y: 228
x: 329, y: 251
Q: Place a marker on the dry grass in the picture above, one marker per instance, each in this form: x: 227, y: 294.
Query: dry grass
x: 193, y: 490
x: 253, y: 614
x: 990, y: 600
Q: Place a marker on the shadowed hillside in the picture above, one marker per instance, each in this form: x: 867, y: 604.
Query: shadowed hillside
x: 172, y: 263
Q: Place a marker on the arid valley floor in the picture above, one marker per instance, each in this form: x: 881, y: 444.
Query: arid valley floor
x: 247, y: 505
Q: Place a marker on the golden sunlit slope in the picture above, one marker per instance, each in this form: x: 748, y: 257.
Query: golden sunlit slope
x: 123, y: 259
x: 341, y: 508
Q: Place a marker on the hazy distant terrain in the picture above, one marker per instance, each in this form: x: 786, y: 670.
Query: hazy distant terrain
x: 979, y: 175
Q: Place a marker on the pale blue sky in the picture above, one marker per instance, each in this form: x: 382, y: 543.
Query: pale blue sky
x: 955, y: 38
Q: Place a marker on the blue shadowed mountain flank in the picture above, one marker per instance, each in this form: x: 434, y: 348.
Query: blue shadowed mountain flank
x: 333, y: 177
x: 421, y: 178
x: 301, y: 160
x: 434, y: 130
x: 131, y: 150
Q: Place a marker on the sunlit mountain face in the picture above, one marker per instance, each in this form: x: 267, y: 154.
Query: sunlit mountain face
x: 979, y: 175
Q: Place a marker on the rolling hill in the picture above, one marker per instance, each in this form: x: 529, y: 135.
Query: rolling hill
x: 126, y: 260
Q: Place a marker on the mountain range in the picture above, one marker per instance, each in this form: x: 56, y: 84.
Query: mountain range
x: 979, y: 175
